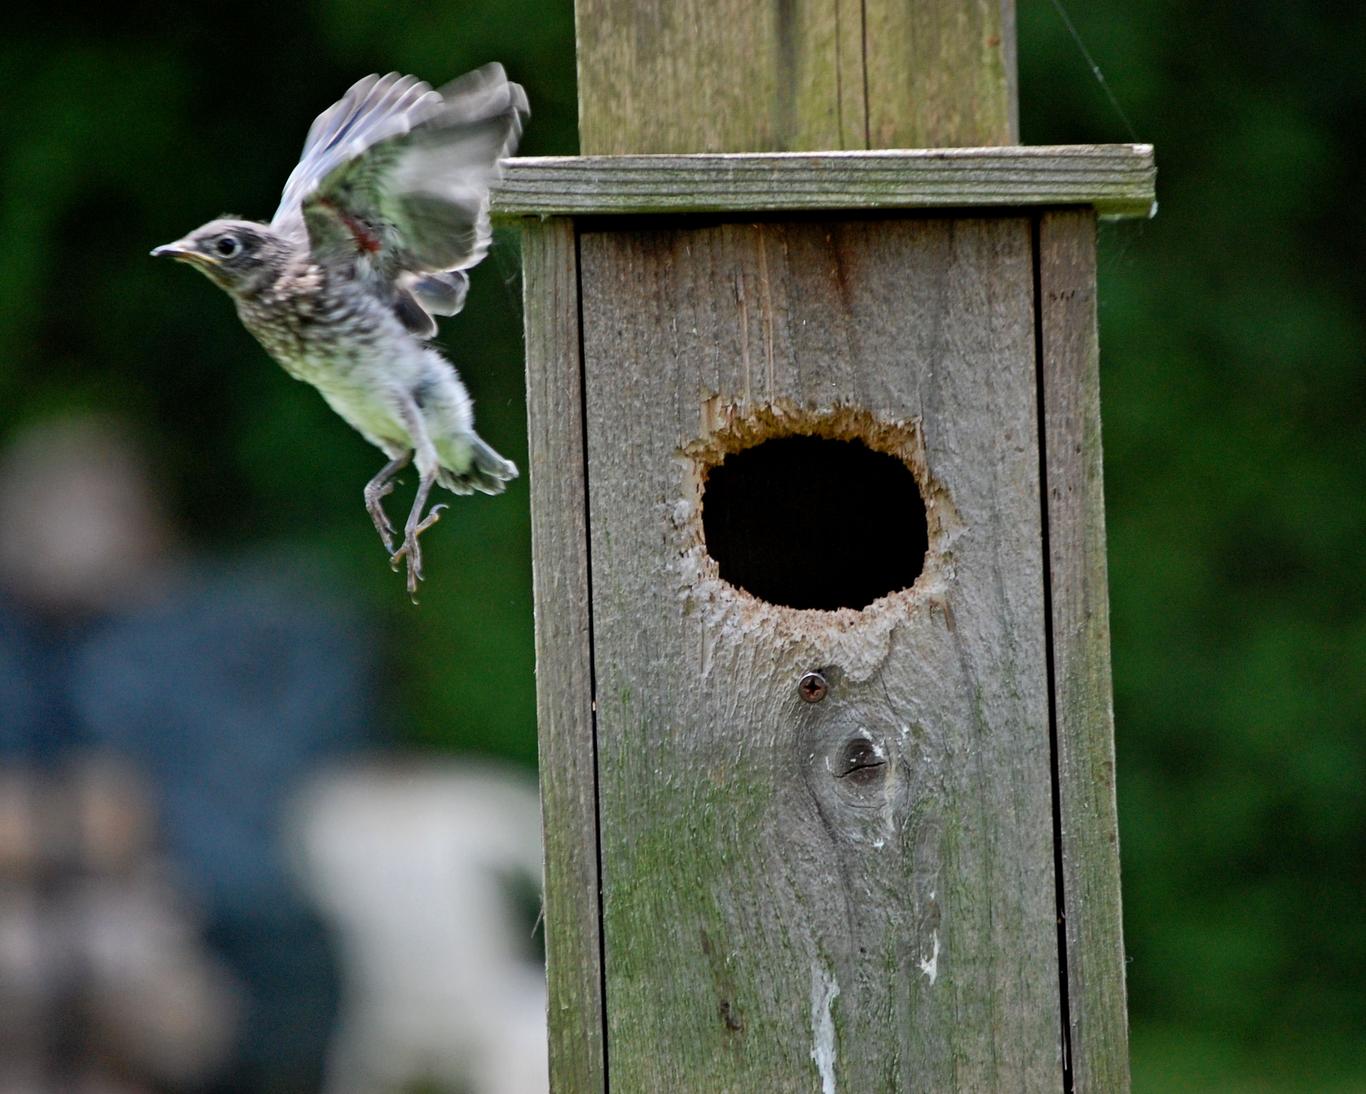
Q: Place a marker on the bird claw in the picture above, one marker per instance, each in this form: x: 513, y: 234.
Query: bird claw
x: 383, y: 527
x: 374, y: 505
x: 412, y: 551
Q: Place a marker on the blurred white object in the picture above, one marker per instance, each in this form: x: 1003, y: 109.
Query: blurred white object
x: 416, y: 867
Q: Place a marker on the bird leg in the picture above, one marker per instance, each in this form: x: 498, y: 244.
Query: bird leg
x: 376, y: 490
x: 428, y: 465
x: 410, y: 534
x: 417, y: 524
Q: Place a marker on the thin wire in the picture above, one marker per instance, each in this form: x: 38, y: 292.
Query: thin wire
x: 1095, y: 70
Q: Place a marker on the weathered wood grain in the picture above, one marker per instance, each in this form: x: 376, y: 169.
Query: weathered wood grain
x: 939, y: 74
x: 1081, y: 651
x: 563, y: 655
x: 772, y: 919
x: 732, y: 75
x: 718, y: 75
x: 1117, y: 179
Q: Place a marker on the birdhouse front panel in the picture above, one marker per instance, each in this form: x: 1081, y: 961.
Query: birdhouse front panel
x: 818, y: 646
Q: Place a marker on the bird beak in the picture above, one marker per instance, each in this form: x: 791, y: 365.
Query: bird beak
x: 183, y: 251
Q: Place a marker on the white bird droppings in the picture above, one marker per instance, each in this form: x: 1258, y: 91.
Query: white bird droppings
x: 930, y: 965
x: 824, y: 989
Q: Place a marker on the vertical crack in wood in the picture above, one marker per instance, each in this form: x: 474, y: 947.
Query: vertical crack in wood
x: 867, y: 106
x: 1055, y: 774
x: 592, y: 667
x: 839, y: 77
x: 1010, y: 49
x: 787, y: 76
x: 768, y: 311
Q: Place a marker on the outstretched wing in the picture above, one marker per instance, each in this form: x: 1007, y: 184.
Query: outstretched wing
x: 395, y: 179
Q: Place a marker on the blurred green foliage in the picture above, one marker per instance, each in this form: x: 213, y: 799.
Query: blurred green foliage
x: 1233, y: 404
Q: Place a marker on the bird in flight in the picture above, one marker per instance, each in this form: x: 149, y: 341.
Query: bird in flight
x: 378, y: 225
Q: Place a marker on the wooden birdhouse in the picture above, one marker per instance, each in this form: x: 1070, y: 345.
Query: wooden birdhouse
x: 822, y: 639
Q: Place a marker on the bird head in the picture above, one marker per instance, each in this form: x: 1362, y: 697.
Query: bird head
x: 238, y: 256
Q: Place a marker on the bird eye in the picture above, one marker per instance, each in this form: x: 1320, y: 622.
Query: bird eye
x: 227, y: 246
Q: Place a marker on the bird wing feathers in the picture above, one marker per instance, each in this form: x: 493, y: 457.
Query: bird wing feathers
x: 394, y: 178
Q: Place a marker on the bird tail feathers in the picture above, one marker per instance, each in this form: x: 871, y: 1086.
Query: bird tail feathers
x: 487, y: 472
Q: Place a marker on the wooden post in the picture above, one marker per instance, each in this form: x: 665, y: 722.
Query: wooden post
x: 738, y: 76
x: 900, y: 873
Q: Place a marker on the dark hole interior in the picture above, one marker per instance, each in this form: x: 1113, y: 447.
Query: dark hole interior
x: 815, y: 523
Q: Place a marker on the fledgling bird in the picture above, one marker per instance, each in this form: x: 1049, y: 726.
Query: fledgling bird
x: 378, y: 224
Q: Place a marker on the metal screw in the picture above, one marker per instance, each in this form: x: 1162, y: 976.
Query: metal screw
x: 812, y: 687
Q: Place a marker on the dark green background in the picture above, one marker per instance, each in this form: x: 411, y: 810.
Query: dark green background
x: 1233, y: 408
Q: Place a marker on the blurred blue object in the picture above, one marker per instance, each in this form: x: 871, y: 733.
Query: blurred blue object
x: 227, y: 693
x: 227, y: 690
x: 26, y: 721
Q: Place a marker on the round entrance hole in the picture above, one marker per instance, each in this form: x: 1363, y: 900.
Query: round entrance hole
x: 810, y: 522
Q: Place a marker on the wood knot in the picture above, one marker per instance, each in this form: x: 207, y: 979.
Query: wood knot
x: 855, y: 765
x: 860, y: 761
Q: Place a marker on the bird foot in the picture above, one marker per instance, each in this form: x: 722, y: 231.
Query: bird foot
x: 374, y: 505
x: 382, y: 525
x: 412, y: 551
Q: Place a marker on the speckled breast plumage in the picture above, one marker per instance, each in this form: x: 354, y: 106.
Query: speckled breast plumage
x: 317, y: 325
